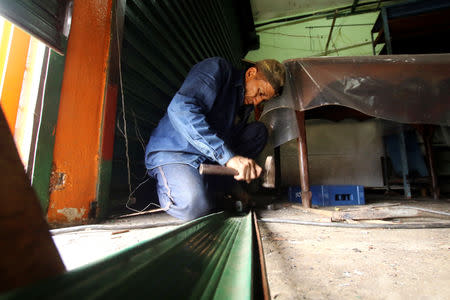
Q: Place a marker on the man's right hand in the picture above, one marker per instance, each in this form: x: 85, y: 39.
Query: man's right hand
x: 247, y: 168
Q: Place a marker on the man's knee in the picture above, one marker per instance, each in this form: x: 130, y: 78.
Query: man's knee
x: 183, y: 188
x: 191, y: 205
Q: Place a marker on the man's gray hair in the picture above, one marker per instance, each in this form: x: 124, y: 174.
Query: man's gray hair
x: 274, y: 72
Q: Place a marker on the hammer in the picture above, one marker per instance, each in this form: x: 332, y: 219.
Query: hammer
x: 268, y: 171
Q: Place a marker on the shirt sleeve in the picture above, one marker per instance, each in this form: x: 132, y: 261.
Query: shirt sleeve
x: 189, y: 107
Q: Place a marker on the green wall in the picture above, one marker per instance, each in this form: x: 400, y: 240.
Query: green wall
x: 306, y: 38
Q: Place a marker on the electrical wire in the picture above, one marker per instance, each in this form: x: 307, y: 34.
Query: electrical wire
x: 365, y: 226
x: 124, y: 131
x: 295, y: 35
x: 340, y: 25
x: 130, y: 197
x: 278, y: 47
x: 138, y: 132
x: 125, y: 134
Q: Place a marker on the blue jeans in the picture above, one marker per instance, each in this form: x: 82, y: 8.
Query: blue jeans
x: 190, y: 194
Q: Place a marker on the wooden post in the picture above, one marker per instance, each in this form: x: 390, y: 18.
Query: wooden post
x: 303, y: 160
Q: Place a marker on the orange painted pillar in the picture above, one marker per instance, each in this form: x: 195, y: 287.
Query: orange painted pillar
x: 14, y: 71
x: 4, y: 44
x: 77, y: 153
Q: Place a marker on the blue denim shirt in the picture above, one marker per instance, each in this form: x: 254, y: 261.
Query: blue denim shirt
x: 200, y: 118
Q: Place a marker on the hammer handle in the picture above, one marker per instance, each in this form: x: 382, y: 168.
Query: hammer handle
x: 216, y: 170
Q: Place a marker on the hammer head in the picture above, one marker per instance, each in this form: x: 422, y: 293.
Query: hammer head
x: 269, y: 173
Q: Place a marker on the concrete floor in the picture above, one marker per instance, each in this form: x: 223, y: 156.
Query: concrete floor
x: 306, y: 262
x: 309, y: 262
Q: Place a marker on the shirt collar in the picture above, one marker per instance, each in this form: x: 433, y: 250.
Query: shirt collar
x: 238, y: 81
x: 238, y: 78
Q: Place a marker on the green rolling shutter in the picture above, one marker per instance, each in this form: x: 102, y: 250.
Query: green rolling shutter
x: 44, y: 19
x: 162, y: 40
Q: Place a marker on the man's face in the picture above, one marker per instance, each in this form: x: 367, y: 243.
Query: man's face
x: 257, y: 88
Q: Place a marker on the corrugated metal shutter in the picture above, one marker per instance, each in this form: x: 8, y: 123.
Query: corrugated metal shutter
x: 44, y: 19
x: 162, y: 40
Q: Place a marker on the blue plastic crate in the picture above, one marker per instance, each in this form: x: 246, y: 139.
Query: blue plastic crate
x: 295, y: 195
x: 330, y: 195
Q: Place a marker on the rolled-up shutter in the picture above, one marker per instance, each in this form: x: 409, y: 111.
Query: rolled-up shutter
x: 47, y: 20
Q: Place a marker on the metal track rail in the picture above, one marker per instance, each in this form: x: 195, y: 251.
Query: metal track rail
x: 210, y: 258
